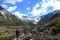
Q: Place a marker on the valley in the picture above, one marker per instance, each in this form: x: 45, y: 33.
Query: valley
x: 47, y: 28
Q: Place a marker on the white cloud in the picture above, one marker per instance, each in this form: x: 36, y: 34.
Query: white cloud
x: 43, y: 7
x: 54, y: 3
x: 17, y: 13
x: 11, y: 8
x: 12, y: 1
x: 4, y: 6
x: 36, y: 12
x: 36, y: 6
x: 20, y: 15
x: 28, y: 8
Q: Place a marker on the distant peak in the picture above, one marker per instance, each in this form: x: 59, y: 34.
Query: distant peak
x: 1, y: 8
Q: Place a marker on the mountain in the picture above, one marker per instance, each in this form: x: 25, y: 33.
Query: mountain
x: 27, y: 19
x: 1, y: 8
x: 50, y: 29
x: 50, y: 16
x: 51, y: 22
x: 8, y: 19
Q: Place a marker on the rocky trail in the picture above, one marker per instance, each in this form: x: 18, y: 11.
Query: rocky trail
x: 41, y: 33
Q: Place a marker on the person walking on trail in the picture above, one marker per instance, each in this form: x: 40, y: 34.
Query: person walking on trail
x: 17, y: 34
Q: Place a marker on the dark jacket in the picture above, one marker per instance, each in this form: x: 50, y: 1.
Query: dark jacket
x: 17, y: 32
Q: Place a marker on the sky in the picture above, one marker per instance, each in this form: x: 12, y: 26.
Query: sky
x: 30, y: 8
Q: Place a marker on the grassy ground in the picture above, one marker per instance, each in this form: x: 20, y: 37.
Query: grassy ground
x: 7, y: 37
x: 7, y: 32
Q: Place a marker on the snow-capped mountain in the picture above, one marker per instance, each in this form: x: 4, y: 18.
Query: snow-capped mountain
x: 25, y: 18
x: 11, y: 19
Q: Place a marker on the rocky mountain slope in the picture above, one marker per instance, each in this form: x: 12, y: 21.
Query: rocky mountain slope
x: 50, y: 16
x: 6, y: 18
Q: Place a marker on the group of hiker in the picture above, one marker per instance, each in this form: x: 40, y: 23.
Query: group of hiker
x: 36, y: 34
x: 27, y: 31
x: 19, y: 31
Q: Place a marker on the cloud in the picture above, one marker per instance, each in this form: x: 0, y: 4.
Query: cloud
x: 53, y: 3
x: 24, y: 17
x: 12, y: 1
x: 36, y: 6
x: 4, y: 6
x: 28, y: 8
x: 17, y: 13
x: 36, y: 12
x: 43, y: 7
x: 11, y: 8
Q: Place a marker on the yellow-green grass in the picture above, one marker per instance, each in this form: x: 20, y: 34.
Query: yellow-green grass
x: 7, y: 37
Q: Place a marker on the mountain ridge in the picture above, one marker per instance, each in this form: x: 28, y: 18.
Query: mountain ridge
x: 50, y: 16
x: 11, y: 19
x: 8, y: 19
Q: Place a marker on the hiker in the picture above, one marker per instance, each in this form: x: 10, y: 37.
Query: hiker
x: 17, y: 34
x: 25, y: 30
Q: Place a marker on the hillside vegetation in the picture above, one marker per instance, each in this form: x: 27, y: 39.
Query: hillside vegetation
x: 52, y: 22
x: 46, y: 29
